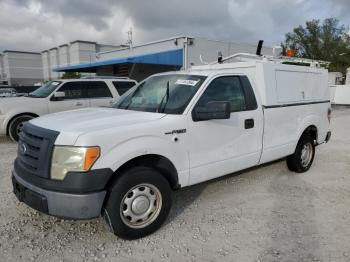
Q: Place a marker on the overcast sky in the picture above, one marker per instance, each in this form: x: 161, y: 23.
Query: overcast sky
x: 35, y: 25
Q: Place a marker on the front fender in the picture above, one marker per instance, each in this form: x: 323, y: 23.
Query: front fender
x: 145, y: 145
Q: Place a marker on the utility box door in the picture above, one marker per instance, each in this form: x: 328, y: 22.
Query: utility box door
x: 296, y: 86
x: 289, y: 86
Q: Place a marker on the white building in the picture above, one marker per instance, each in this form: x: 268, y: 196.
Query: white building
x: 138, y: 62
x: 21, y: 68
x: 335, y: 78
x: 347, y: 78
x: 3, y: 79
x: 73, y: 53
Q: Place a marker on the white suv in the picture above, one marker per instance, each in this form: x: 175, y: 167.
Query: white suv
x: 60, y: 95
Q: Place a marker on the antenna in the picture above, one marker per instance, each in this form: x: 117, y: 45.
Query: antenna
x: 220, y: 57
x: 260, y: 45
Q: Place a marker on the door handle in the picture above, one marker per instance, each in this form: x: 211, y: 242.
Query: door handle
x: 79, y: 104
x: 249, y: 123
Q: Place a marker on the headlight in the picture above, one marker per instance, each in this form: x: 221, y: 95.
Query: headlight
x: 72, y: 159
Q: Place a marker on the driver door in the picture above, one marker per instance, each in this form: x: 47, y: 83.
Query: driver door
x: 75, y: 97
x: 223, y: 146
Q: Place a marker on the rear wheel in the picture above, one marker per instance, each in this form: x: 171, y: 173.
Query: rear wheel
x: 138, y: 203
x: 16, y: 126
x: 303, y: 156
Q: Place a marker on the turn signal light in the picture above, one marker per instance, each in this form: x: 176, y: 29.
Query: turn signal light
x: 91, y: 155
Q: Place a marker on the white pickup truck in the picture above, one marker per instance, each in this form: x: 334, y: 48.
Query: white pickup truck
x: 60, y: 95
x: 171, y: 131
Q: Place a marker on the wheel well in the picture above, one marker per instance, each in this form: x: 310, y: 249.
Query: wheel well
x: 162, y: 164
x: 14, y: 117
x: 311, y: 131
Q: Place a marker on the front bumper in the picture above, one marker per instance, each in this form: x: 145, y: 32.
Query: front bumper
x: 66, y: 205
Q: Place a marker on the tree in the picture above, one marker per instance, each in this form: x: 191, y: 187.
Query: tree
x: 69, y: 75
x: 328, y: 41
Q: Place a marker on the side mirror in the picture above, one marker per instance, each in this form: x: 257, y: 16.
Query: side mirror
x: 213, y: 110
x: 58, y: 96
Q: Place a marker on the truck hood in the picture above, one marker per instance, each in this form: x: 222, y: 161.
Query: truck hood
x: 93, y: 119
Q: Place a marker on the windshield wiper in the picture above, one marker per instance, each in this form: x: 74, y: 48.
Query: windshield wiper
x: 127, y: 106
x: 130, y: 101
x: 161, y: 108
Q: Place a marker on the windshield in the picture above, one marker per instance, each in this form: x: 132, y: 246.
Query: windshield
x: 168, y: 94
x: 45, y: 90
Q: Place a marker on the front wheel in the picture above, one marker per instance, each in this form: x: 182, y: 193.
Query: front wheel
x: 16, y: 126
x: 303, y: 156
x: 138, y: 203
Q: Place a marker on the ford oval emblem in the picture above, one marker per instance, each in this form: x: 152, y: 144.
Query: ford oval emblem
x: 23, y: 148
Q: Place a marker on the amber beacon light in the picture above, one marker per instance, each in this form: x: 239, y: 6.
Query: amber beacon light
x: 290, y: 53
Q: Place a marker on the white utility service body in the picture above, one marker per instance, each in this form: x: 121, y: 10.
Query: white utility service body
x: 290, y: 99
x: 286, y: 103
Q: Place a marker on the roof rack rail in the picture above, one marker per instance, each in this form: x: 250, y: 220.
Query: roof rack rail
x: 258, y: 56
x: 276, y: 59
x: 104, y: 77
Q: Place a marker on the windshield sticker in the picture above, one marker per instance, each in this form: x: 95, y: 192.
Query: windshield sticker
x: 186, y: 82
x: 55, y: 83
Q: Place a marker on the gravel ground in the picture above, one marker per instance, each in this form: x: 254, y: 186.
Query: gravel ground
x: 263, y: 214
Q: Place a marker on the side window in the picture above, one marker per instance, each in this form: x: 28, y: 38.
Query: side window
x: 123, y: 86
x: 73, y: 90
x: 226, y: 88
x: 98, y: 89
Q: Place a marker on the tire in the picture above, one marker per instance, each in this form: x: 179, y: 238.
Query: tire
x: 16, y: 125
x: 303, y: 156
x: 130, y: 198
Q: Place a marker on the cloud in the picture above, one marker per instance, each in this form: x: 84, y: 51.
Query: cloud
x: 239, y: 20
x: 36, y: 25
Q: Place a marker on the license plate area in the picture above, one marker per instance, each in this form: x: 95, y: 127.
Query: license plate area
x: 18, y: 190
x: 29, y: 197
